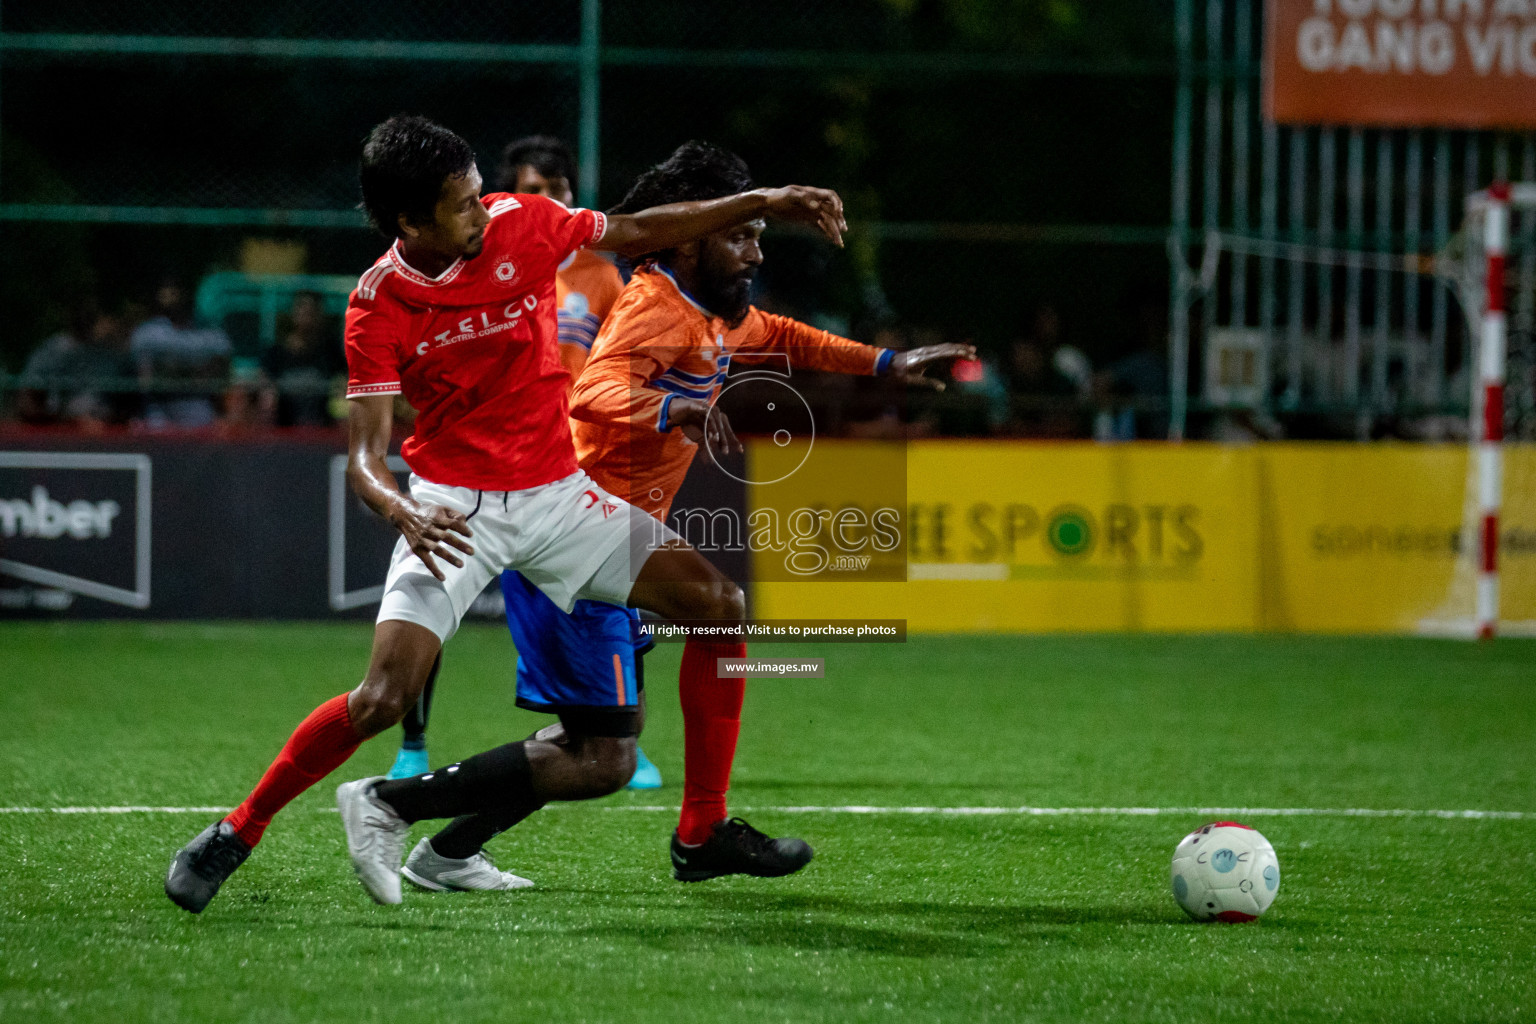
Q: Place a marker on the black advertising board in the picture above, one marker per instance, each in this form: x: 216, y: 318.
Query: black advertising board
x: 78, y: 522
x: 196, y: 529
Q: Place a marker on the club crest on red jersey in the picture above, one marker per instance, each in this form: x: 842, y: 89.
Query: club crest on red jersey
x: 505, y: 270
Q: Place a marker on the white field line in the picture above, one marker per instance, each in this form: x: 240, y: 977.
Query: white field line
x: 1037, y: 812
x: 1070, y: 812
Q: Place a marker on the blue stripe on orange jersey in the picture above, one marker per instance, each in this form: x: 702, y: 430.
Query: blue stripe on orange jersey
x: 572, y: 333
x: 674, y: 388
x: 691, y: 378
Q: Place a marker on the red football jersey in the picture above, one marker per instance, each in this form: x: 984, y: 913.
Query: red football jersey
x: 476, y: 349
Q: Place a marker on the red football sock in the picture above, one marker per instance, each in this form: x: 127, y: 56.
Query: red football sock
x: 319, y: 746
x: 711, y: 722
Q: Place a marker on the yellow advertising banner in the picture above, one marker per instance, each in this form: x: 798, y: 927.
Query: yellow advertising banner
x: 1014, y: 536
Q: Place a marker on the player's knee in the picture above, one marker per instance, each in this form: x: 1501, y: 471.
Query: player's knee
x: 618, y: 765
x: 382, y: 701
x: 373, y: 711
x: 724, y: 602
x: 609, y: 763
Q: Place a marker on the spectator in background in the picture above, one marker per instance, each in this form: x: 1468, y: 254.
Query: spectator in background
x: 985, y: 389
x: 880, y: 405
x: 170, y: 348
x: 300, y: 367
x: 69, y: 377
x: 1131, y: 395
x: 1044, y: 398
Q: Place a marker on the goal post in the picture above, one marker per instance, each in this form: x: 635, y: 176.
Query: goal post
x: 1492, y: 340
x: 1489, y: 267
x: 1497, y: 284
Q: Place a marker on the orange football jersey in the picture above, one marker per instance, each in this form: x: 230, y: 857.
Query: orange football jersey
x: 657, y: 345
x: 586, y: 288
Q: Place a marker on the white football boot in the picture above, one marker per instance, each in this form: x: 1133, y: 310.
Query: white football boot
x: 375, y: 838
x: 427, y: 869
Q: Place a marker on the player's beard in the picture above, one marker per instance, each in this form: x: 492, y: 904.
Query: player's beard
x: 728, y: 296
x: 475, y: 246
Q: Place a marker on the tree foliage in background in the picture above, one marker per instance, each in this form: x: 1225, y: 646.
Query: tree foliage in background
x: 1061, y: 29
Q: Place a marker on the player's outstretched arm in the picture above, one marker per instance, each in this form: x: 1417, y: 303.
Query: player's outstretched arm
x: 818, y: 350
x: 430, y: 530
x: 662, y: 227
x: 908, y: 366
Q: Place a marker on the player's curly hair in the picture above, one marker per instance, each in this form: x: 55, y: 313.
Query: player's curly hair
x: 544, y: 153
x: 695, y: 170
x: 405, y: 162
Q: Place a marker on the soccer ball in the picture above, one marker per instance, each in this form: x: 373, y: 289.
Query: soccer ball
x: 1225, y: 872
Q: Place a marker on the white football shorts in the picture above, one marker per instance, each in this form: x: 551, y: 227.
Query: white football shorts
x: 569, y: 538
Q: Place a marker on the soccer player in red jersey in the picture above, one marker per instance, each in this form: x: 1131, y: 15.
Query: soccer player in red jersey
x: 458, y: 317
x: 586, y: 287
x: 641, y: 405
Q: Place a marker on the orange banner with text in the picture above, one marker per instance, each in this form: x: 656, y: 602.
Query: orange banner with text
x: 1402, y: 63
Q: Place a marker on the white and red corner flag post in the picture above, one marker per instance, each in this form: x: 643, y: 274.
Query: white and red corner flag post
x: 1490, y: 455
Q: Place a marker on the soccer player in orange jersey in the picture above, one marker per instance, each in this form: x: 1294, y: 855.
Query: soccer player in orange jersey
x: 641, y: 405
x: 586, y: 287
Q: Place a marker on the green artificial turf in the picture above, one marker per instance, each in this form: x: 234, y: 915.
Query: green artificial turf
x: 902, y: 916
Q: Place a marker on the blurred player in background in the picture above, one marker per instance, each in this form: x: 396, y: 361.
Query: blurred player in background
x: 458, y: 316
x: 586, y: 287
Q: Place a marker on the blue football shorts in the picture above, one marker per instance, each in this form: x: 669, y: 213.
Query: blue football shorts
x: 582, y: 661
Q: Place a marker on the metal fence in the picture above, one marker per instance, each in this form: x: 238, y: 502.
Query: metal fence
x: 996, y: 157
x: 1327, y: 253
x: 140, y: 135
